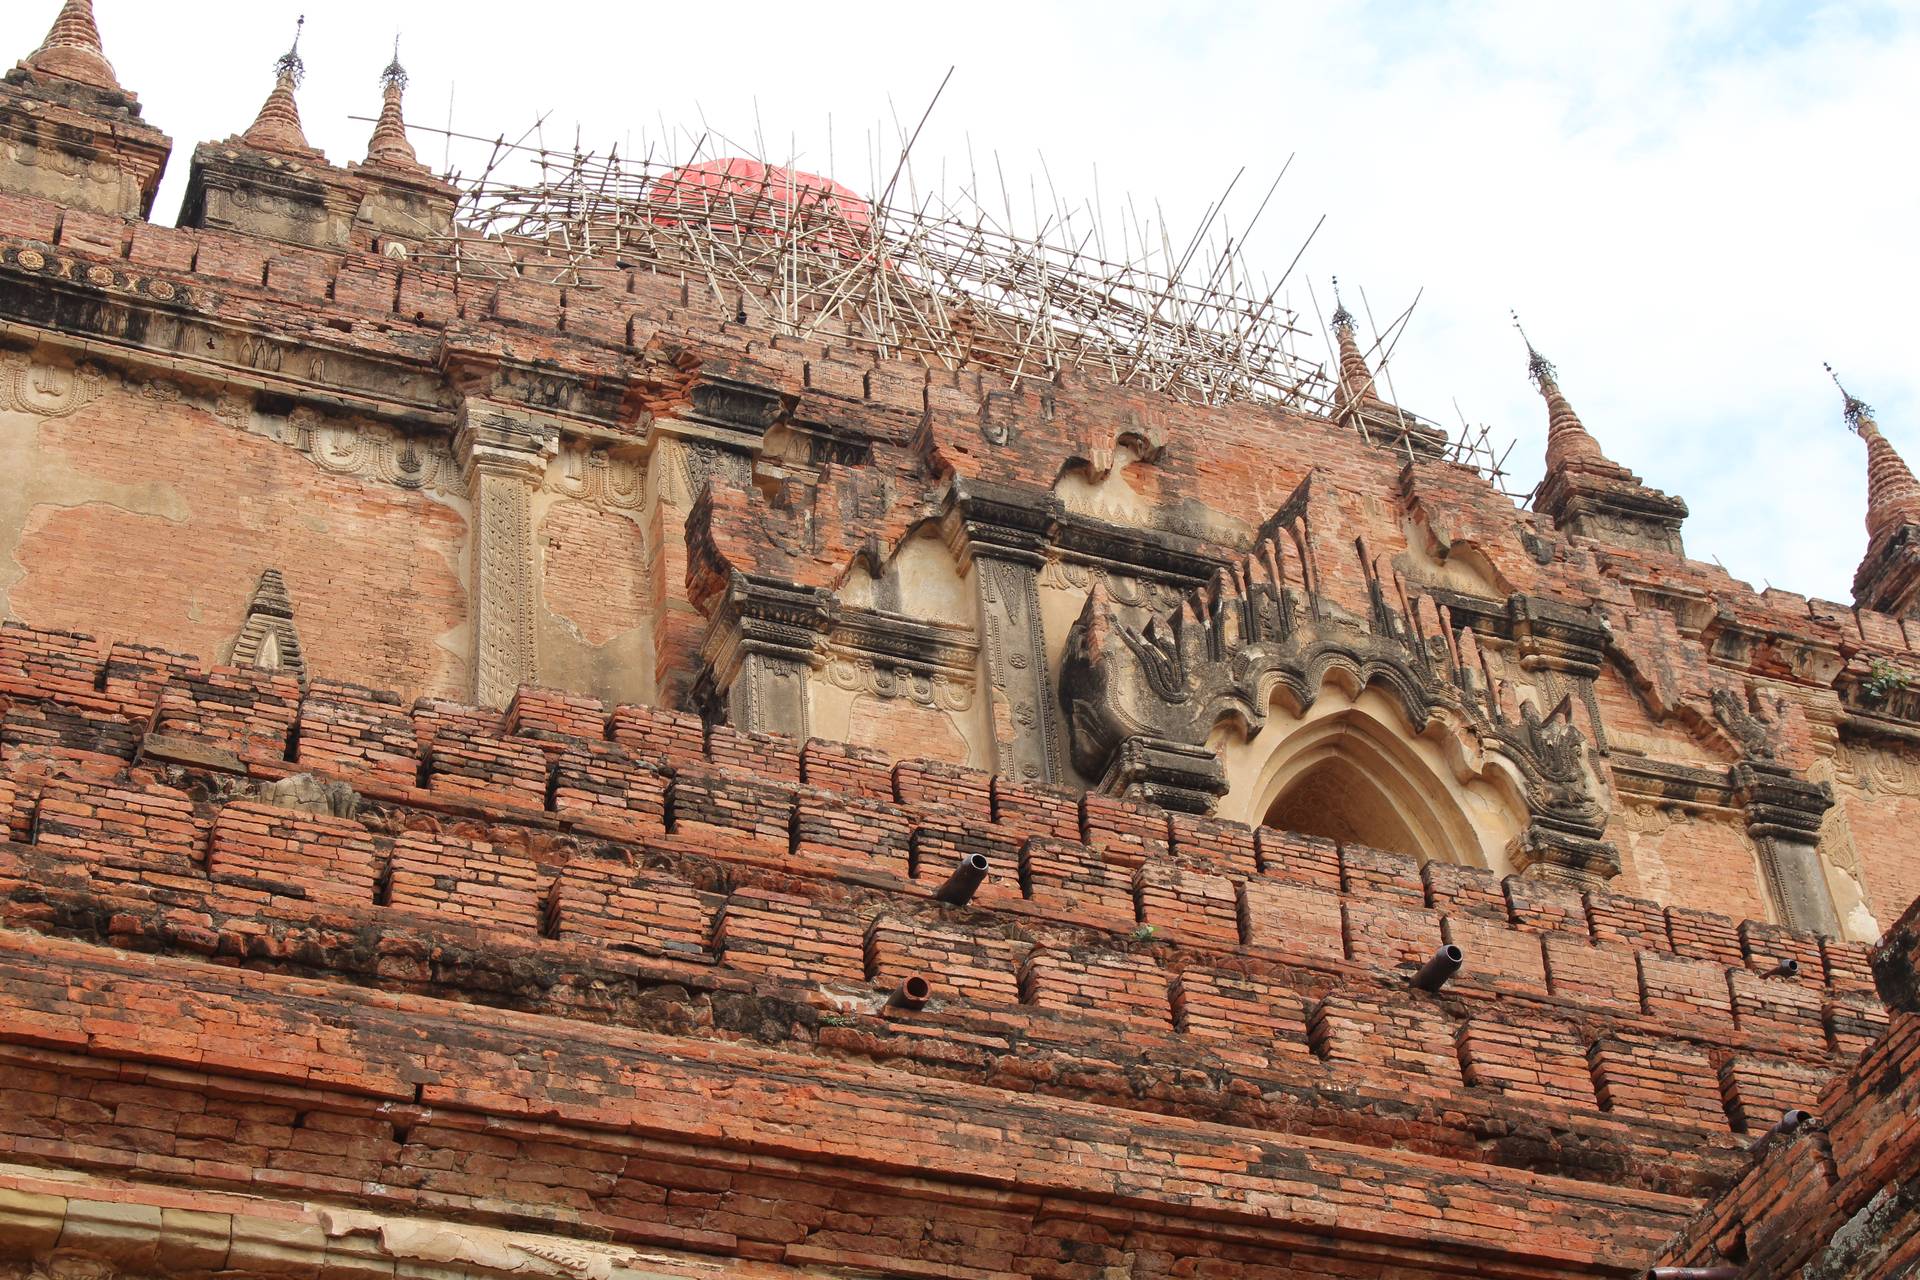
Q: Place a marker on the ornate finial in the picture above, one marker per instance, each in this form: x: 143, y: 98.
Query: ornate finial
x: 1342, y: 318
x: 389, y: 145
x: 1857, y: 410
x: 288, y: 65
x: 277, y: 127
x: 1539, y: 368
x: 395, y: 75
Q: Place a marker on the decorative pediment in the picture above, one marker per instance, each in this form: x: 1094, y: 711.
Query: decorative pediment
x: 1265, y: 628
x: 267, y: 639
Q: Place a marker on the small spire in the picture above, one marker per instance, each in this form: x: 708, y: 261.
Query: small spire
x: 72, y: 48
x: 268, y: 639
x: 277, y: 127
x: 1568, y: 439
x: 1357, y: 383
x: 1893, y: 495
x: 389, y: 145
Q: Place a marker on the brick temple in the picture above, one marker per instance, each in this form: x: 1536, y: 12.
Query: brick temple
x: 520, y: 773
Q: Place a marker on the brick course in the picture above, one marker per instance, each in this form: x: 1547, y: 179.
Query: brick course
x: 1129, y: 988
x: 313, y: 858
x: 612, y: 902
x: 468, y: 880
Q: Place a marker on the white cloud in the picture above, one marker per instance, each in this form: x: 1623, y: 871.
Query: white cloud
x: 1691, y: 205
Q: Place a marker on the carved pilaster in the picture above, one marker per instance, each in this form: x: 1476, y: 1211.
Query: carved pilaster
x: 1784, y: 816
x: 758, y: 650
x: 1784, y: 810
x: 1002, y: 532
x: 504, y: 457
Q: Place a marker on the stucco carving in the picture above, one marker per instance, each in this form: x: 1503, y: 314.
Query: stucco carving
x: 1881, y: 770
x: 1648, y: 819
x: 45, y: 390
x: 1750, y: 721
x: 689, y: 464
x: 1123, y: 589
x: 508, y: 1253
x: 305, y: 793
x: 597, y: 478
x: 98, y: 275
x: 864, y: 675
x: 61, y: 1264
x: 372, y: 451
x: 375, y: 452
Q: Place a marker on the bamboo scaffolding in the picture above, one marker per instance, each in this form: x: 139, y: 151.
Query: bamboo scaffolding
x: 938, y: 275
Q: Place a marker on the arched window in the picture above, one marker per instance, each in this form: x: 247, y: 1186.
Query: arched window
x: 1337, y: 800
x: 1351, y: 769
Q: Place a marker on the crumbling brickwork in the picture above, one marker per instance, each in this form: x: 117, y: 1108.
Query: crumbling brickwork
x: 1212, y: 989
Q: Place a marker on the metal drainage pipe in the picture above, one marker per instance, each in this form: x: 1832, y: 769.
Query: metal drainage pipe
x: 960, y: 886
x: 1435, y: 973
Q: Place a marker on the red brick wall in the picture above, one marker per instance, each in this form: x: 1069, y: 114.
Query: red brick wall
x: 592, y: 570
x: 154, y: 522
x: 593, y: 584
x: 669, y: 898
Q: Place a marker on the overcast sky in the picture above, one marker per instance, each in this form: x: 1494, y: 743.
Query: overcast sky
x: 1691, y: 205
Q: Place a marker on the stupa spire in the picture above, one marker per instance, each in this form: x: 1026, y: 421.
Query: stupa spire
x: 72, y: 48
x: 1588, y: 494
x: 1893, y: 495
x: 389, y: 145
x: 277, y: 127
x: 1568, y: 439
x: 1356, y: 379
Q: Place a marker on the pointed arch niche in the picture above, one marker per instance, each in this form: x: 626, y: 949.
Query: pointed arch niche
x: 1350, y: 767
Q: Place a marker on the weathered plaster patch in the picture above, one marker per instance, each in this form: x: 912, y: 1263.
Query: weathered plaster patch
x: 41, y: 477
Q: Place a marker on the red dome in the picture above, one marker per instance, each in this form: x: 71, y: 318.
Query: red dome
x: 772, y: 193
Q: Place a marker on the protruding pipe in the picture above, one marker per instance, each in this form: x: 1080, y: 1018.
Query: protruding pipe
x: 912, y: 993
x: 1788, y: 1123
x: 1788, y: 968
x: 960, y: 886
x: 1694, y: 1273
x: 1435, y: 973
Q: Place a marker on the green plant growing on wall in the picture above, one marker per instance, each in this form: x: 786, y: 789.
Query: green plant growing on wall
x: 1883, y: 681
